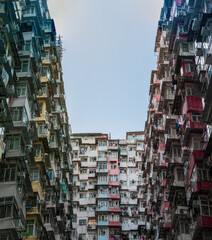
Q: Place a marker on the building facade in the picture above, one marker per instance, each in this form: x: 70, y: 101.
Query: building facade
x: 35, y: 179
x: 106, y: 179
x: 178, y: 168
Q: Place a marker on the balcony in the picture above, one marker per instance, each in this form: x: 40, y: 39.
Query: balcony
x: 123, y: 152
x: 102, y: 209
x: 201, y: 186
x: 113, y: 183
x: 115, y: 196
x: 102, y: 159
x: 192, y: 104
x: 100, y: 170
x: 5, y: 115
x: 102, y: 182
x: 113, y: 145
x: 102, y: 148
x: 103, y: 195
x: 91, y: 227
x: 106, y: 237
x: 171, y: 138
x: 17, y: 153
x: 114, y: 209
x: 114, y: 224
x: 10, y: 189
x: 102, y: 223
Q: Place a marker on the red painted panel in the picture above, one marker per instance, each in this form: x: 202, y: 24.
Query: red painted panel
x: 114, y: 209
x: 114, y: 183
x: 162, y: 146
x: 178, y: 3
x: 163, y: 183
x: 205, y: 221
x: 196, y: 157
x: 192, y: 104
x: 165, y: 205
x: 202, y: 186
x: 168, y: 224
x: 112, y: 223
x: 114, y: 196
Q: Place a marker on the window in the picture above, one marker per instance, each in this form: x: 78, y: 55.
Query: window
x: 83, y: 209
x: 83, y: 170
x: 34, y: 174
x: 92, y: 171
x: 197, y: 144
x: 30, y: 10
x: 82, y: 236
x: 180, y: 174
x: 82, y: 222
x: 44, y: 90
x: 113, y: 165
x: 113, y: 204
x: 102, y: 178
x: 203, y: 173
x: 181, y: 28
x: 2, y: 5
x: 52, y: 138
x: 92, y: 209
x: 132, y: 170
x: 21, y: 90
x: 13, y: 142
x: 27, y: 46
x: 114, y: 218
x: 185, y: 47
x: 101, y: 154
x: 102, y: 204
x: 189, y: 67
x: 17, y: 113
x: 113, y: 191
x: 141, y: 144
x: 102, y: 218
x: 47, y: 40
x: 74, y: 218
x: 113, y: 178
x: 113, y: 154
x: 25, y: 66
x: 38, y: 150
x: 196, y: 117
x: 103, y: 191
x: 102, y: 143
x: 92, y: 159
x: 102, y: 166
x: 8, y: 173
x: 176, y: 152
x: 189, y: 92
x: 92, y: 148
x: 4, y: 236
x: 30, y: 227
x: 83, y: 195
x: 102, y: 232
x: 92, y: 195
x: 40, y: 106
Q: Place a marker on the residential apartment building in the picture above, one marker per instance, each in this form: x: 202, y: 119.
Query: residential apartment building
x: 35, y: 179
x: 178, y: 166
x: 106, y: 179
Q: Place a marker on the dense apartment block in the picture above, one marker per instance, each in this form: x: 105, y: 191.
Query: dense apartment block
x: 178, y: 167
x: 35, y: 171
x: 107, y: 176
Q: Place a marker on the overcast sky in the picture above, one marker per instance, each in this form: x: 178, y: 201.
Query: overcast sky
x: 107, y: 62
